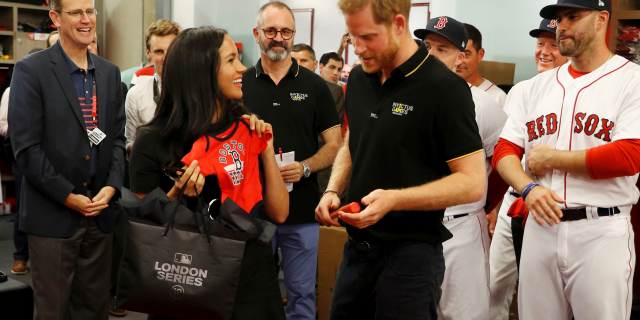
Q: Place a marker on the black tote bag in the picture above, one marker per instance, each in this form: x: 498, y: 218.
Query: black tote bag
x: 177, y: 270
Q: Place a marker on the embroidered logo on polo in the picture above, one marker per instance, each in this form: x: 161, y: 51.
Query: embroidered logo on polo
x: 237, y: 165
x: 298, y: 96
x: 400, y: 109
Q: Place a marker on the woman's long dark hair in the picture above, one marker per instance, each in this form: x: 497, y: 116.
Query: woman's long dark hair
x: 191, y: 96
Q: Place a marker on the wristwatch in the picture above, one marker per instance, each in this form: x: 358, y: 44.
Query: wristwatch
x: 306, y: 172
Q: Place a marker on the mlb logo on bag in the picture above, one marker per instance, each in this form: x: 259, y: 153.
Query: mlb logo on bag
x: 183, y: 258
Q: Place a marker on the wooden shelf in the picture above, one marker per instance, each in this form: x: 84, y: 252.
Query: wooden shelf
x: 6, y: 33
x: 8, y: 61
x: 629, y: 14
x: 25, y: 6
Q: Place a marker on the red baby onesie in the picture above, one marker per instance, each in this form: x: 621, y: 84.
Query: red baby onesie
x: 232, y: 155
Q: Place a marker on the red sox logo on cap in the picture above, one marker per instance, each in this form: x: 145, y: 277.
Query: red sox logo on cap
x: 441, y: 23
x: 553, y: 24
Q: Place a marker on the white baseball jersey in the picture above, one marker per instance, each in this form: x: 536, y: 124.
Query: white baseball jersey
x: 465, y: 287
x: 490, y: 119
x: 493, y: 90
x: 566, y: 268
x: 502, y: 257
x: 578, y: 114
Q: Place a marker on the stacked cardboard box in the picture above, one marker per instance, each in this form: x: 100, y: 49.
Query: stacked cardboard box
x: 330, y: 249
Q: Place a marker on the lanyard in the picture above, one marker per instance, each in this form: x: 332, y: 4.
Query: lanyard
x: 94, y: 105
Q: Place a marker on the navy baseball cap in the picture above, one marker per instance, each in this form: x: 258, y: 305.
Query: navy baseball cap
x: 549, y: 12
x: 547, y: 25
x: 447, y: 27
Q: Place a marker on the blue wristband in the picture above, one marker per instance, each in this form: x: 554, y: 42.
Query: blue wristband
x: 527, y: 189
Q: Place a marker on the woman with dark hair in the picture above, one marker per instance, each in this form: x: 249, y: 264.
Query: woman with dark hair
x: 200, y: 98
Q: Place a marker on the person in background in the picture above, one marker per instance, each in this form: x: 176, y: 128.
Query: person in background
x: 68, y: 181
x: 53, y: 37
x: 93, y: 47
x: 331, y: 67
x: 140, y: 105
x: 157, y: 39
x: 468, y: 69
x: 506, y: 244
x: 20, y: 240
x: 206, y: 92
x: 300, y: 107
x: 345, y: 73
x: 306, y: 57
x: 356, y: 63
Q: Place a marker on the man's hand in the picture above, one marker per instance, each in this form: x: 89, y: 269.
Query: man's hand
x: 492, y: 218
x: 542, y: 204
x: 539, y: 160
x: 345, y: 41
x: 329, y: 202
x: 292, y: 172
x: 100, y: 201
x: 78, y: 203
x: 379, y: 203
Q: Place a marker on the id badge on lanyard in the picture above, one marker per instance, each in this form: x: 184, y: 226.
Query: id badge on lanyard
x: 96, y: 135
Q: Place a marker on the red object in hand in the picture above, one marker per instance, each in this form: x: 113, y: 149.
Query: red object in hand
x: 352, y: 207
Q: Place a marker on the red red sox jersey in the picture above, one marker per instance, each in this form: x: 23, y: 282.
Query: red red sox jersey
x: 578, y: 114
x: 232, y: 156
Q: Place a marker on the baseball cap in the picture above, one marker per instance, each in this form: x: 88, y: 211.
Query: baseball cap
x: 547, y: 25
x: 447, y: 27
x: 549, y: 12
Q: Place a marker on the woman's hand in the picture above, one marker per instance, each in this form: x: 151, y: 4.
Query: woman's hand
x: 256, y: 124
x: 193, y: 178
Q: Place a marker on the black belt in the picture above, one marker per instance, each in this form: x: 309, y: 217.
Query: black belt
x: 579, y: 214
x: 363, y: 246
x: 455, y: 216
x: 515, y: 194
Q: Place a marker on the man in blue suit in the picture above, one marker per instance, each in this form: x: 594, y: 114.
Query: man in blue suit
x: 66, y: 122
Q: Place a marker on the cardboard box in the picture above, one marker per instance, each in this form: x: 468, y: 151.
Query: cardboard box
x: 330, y: 249
x: 497, y: 72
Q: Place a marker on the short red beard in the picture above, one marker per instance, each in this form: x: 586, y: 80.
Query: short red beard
x: 385, y: 58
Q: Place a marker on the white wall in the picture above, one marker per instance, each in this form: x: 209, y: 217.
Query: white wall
x: 124, y: 35
x: 236, y: 16
x: 504, y: 24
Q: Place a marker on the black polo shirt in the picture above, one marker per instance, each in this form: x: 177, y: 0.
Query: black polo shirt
x: 299, y: 108
x: 402, y: 134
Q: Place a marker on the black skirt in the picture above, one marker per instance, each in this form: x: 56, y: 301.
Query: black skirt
x: 258, y: 296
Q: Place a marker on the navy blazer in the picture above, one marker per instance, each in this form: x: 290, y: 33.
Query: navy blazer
x: 51, y: 145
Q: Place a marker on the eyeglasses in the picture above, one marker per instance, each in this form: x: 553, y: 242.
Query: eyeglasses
x: 78, y: 13
x: 271, y: 33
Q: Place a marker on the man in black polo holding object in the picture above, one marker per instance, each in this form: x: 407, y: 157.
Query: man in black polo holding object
x: 68, y: 140
x: 413, y: 149
x: 299, y: 105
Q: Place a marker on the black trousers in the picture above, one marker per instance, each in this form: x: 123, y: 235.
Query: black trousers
x: 399, y: 281
x: 71, y: 276
x: 258, y: 296
x: 20, y: 240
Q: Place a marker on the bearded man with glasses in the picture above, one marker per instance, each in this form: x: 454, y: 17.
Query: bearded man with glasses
x: 299, y: 105
x: 68, y: 139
